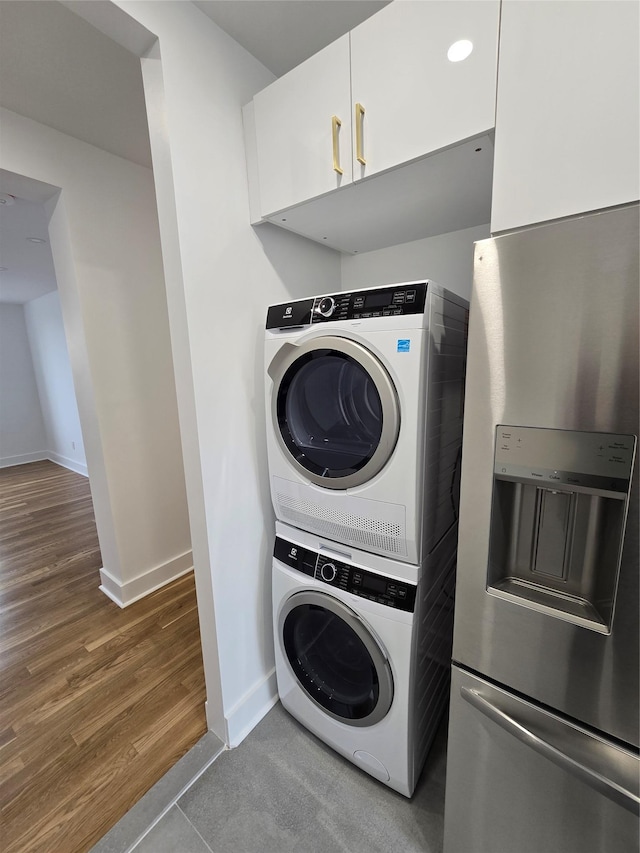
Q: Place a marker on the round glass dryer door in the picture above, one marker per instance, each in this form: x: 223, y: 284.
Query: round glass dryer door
x: 335, y: 412
x: 335, y: 658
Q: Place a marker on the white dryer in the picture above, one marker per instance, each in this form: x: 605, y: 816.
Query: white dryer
x: 364, y: 398
x: 363, y: 648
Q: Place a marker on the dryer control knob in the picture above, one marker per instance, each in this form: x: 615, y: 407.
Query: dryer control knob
x: 326, y: 306
x: 328, y: 572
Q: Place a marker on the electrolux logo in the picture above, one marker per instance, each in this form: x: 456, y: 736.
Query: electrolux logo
x: 288, y: 311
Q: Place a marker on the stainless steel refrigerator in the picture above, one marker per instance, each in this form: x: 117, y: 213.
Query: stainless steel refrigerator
x: 544, y: 716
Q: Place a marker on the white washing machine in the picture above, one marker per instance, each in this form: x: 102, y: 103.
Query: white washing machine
x: 363, y: 648
x: 364, y: 415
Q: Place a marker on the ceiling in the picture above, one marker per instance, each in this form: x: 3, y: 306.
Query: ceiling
x: 29, y: 272
x: 59, y: 70
x: 283, y: 33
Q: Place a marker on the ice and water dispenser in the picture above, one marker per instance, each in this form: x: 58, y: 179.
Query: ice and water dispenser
x: 558, y: 517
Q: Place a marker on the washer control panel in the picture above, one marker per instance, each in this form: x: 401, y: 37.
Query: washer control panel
x: 387, y: 301
x: 354, y: 579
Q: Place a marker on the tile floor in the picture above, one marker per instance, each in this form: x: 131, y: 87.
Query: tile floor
x: 284, y: 790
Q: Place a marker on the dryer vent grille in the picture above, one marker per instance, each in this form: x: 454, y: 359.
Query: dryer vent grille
x: 343, y: 526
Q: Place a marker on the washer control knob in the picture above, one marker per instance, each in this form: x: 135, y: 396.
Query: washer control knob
x: 328, y: 572
x: 326, y: 306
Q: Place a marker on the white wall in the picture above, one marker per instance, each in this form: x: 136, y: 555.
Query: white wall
x: 221, y: 275
x: 22, y: 430
x: 106, y: 250
x: 447, y: 259
x: 52, y: 368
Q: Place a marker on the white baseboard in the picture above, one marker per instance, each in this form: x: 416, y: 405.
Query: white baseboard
x: 247, y: 713
x: 23, y: 459
x: 71, y: 464
x: 126, y: 593
x: 41, y: 456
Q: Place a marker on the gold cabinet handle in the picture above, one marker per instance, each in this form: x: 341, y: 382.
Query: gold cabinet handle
x: 335, y: 124
x: 359, y: 126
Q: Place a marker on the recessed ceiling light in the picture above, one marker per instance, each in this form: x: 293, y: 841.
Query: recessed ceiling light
x: 459, y: 50
x: 6, y: 198
x: 36, y: 240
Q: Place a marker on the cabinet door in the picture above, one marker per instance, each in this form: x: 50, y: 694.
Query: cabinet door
x: 567, y: 136
x: 293, y: 120
x: 416, y: 101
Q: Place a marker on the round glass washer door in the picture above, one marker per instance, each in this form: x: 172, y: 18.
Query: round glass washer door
x: 335, y: 411
x: 335, y: 658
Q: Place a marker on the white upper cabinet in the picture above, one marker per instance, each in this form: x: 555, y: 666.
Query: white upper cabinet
x: 415, y: 99
x: 303, y: 130
x: 385, y: 94
x: 567, y: 133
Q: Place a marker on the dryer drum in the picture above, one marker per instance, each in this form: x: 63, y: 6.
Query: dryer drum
x: 329, y: 413
x: 333, y: 413
x: 335, y: 410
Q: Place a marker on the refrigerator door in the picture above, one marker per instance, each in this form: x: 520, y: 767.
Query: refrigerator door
x: 553, y: 347
x: 522, y: 779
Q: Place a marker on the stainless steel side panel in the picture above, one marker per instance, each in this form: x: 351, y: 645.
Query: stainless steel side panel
x: 521, y: 780
x: 553, y: 342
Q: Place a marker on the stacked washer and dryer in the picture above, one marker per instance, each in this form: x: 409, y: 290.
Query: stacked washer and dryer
x: 365, y: 393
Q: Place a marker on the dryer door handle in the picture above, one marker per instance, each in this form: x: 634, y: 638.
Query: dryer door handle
x: 282, y: 355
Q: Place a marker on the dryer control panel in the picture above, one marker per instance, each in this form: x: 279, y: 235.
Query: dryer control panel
x: 387, y: 301
x: 354, y: 579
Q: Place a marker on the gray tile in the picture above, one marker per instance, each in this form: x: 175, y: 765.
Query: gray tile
x: 164, y: 793
x: 284, y: 790
x: 172, y: 834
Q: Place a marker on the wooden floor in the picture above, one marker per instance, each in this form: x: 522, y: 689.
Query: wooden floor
x: 96, y: 703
